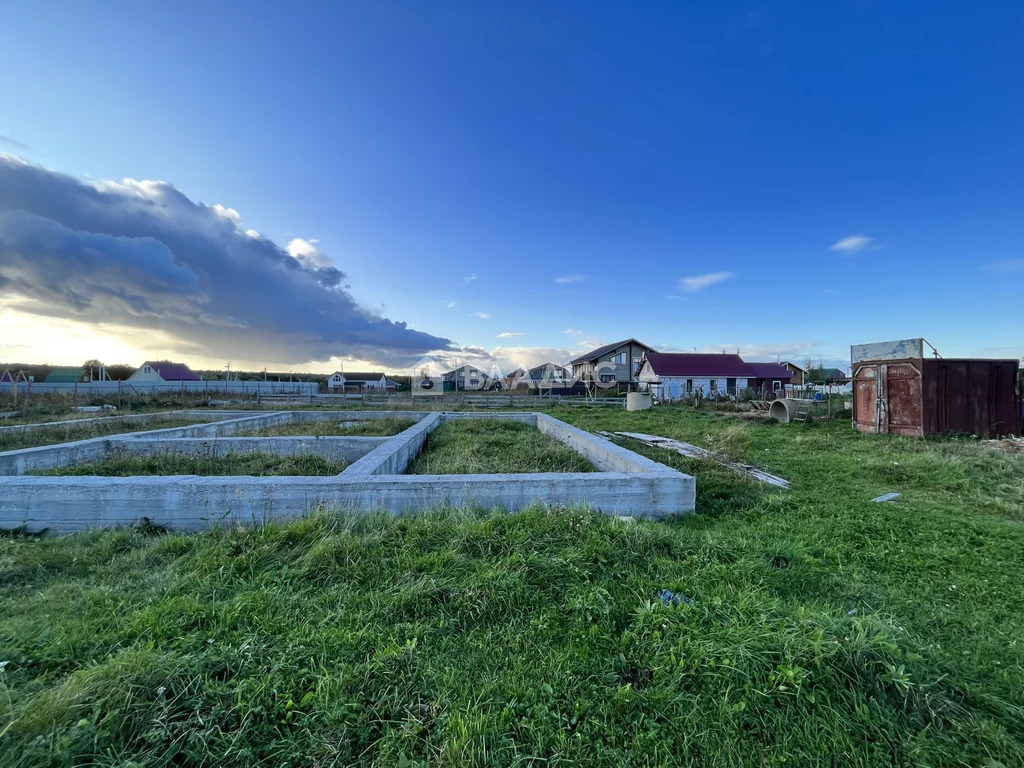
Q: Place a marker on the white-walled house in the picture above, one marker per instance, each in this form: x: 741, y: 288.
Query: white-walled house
x: 360, y: 381
x: 156, y: 371
x: 673, y: 376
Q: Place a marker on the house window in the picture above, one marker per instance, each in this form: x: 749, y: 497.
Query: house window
x: 689, y: 385
x: 776, y: 386
x: 474, y: 382
x: 607, y: 377
x: 620, y: 358
x: 714, y: 385
x: 147, y: 369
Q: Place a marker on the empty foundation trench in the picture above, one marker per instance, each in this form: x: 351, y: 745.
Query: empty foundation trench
x: 621, y: 483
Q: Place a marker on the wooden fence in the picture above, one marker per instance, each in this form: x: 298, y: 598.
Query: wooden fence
x: 448, y: 399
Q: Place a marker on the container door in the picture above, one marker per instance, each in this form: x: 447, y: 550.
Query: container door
x: 887, y: 398
x: 903, y: 399
x: 868, y: 403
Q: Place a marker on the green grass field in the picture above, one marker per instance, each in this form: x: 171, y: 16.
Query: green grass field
x: 482, y: 446
x: 14, y: 440
x: 332, y: 428
x: 259, y: 464
x: 821, y: 629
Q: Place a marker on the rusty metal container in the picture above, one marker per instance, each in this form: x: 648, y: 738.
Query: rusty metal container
x: 923, y: 396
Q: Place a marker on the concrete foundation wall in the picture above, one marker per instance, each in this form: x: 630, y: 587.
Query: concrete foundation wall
x: 393, y: 457
x: 628, y: 485
x: 603, y: 454
x: 126, y: 418
x: 189, y: 503
x: 51, y: 456
x: 347, y: 449
x: 222, y: 428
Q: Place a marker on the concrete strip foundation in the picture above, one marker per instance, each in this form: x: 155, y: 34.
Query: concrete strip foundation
x: 347, y: 449
x: 628, y: 484
x: 127, y: 417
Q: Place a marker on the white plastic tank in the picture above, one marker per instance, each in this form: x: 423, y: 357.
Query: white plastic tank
x: 638, y: 401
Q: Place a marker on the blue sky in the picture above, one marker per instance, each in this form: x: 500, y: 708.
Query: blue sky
x: 458, y: 159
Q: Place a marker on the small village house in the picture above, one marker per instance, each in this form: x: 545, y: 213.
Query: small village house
x: 360, y: 381
x: 545, y: 376
x: 162, y: 371
x: 798, y: 373
x: 672, y: 376
x: 515, y: 379
x: 549, y: 375
x: 835, y: 376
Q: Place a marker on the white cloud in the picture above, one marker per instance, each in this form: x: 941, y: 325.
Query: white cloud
x: 573, y: 332
x: 699, y: 282
x: 469, y: 278
x: 228, y: 213
x: 305, y: 251
x: 571, y: 279
x: 449, y: 305
x: 852, y: 244
x: 479, y: 315
x: 508, y: 335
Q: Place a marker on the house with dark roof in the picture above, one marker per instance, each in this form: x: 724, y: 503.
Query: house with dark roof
x: 549, y: 375
x: 828, y: 376
x: 469, y: 378
x: 613, y: 365
x: 547, y: 378
x: 673, y: 375
x: 836, y: 376
x: 769, y: 377
x: 157, y: 371
x: 515, y: 379
x: 360, y: 381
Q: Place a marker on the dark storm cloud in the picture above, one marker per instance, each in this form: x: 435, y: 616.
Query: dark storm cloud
x: 143, y: 255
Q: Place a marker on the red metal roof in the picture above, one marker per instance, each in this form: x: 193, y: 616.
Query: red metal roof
x: 770, y: 371
x: 716, y: 365
x: 676, y: 364
x: 169, y: 371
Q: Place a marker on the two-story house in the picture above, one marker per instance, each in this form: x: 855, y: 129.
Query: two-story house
x: 469, y: 378
x: 358, y: 381
x: 613, y: 366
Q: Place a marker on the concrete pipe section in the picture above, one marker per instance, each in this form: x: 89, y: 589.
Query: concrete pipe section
x: 783, y: 410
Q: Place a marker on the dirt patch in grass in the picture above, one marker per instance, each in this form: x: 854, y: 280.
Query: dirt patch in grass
x: 17, y: 439
x: 334, y: 428
x: 257, y: 464
x: 485, y: 446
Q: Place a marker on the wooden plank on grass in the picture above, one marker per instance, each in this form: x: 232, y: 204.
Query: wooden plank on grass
x: 696, y: 452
